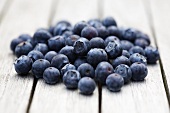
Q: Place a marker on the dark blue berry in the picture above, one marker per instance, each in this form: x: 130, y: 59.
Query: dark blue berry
x: 120, y: 60
x: 95, y: 56
x: 39, y: 66
x: 23, y: 49
x: 79, y: 61
x: 23, y: 65
x: 66, y: 68
x: 86, y: 70
x: 139, y: 71
x: 25, y: 37
x: 136, y: 57
x: 113, y: 49
x: 56, y: 43
x: 126, y: 45
x: 124, y: 71
x: 141, y: 42
x: 95, y: 24
x: 113, y: 31
x: 41, y: 36
x: 102, y: 71
x: 86, y: 85
x: 137, y: 49
x: 71, y: 79
x: 126, y: 53
x: 51, y: 75
x: 51, y: 29
x: 91, y: 21
x: 71, y: 39
x: 68, y: 51
x: 109, y: 21
x: 102, y: 32
x: 60, y: 28
x: 141, y: 35
x: 64, y: 22
x: 111, y: 39
x: 81, y: 46
x: 152, y: 54
x: 97, y: 42
x: 89, y: 32
x: 114, y: 82
x: 35, y: 55
x: 42, y: 47
x: 49, y: 56
x: 59, y: 61
x: 66, y: 34
x: 129, y: 34
x: 79, y: 27
x: 14, y: 43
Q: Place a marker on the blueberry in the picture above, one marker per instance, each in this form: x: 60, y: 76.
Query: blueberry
x: 39, y: 66
x: 114, y: 82
x: 32, y: 42
x: 23, y: 65
x: 95, y: 56
x: 136, y: 57
x: 51, y: 29
x: 79, y: 61
x: 139, y: 71
x: 71, y: 39
x: 59, y: 61
x: 56, y: 43
x: 126, y: 53
x: 64, y: 22
x: 66, y: 34
x: 97, y: 42
x: 141, y: 35
x: 141, y: 43
x: 124, y: 71
x: 43, y: 48
x: 120, y: 60
x: 86, y: 85
x: 49, y: 56
x: 14, y: 43
x: 137, y: 49
x: 152, y: 54
x: 68, y: 51
x: 91, y: 21
x: 41, y: 36
x: 113, y: 31
x: 89, y: 32
x: 111, y: 39
x: 102, y: 71
x: 71, y: 79
x: 109, y: 21
x: 81, y: 46
x: 96, y: 24
x: 129, y: 34
x: 51, y: 75
x: 79, y: 27
x: 113, y: 49
x: 66, y: 68
x: 60, y: 28
x: 102, y: 32
x: 25, y: 37
x: 126, y: 45
x: 35, y: 55
x: 86, y: 70
x: 23, y: 49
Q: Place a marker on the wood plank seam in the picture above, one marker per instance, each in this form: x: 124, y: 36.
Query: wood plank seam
x: 147, y: 6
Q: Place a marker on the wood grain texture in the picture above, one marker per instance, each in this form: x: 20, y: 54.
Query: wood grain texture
x: 57, y: 98
x: 137, y: 97
x: 24, y: 16
x: 160, y: 23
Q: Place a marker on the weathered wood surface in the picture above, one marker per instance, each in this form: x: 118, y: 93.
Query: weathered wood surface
x: 3, y: 3
x: 57, y: 98
x: 148, y: 96
x: 161, y: 24
x: 24, y: 16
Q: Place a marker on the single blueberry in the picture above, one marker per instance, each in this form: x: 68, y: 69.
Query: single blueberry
x: 141, y: 43
x: 86, y: 85
x: 86, y: 70
x: 109, y: 21
x: 124, y: 71
x: 66, y: 34
x: 102, y: 32
x: 136, y: 57
x: 89, y: 32
x: 64, y: 22
x: 51, y: 29
x: 49, y: 56
x: 39, y: 66
x: 129, y: 34
x: 60, y: 28
x: 66, y: 68
x: 14, y: 43
x: 25, y: 37
x: 71, y: 79
x: 95, y: 56
x: 126, y: 45
x: 42, y: 36
x: 141, y: 35
x: 137, y: 49
x: 139, y: 71
x: 71, y: 40
x: 113, y: 31
x: 35, y: 55
x: 126, y: 53
x: 51, y: 75
x: 97, y: 42
x: 23, y: 49
x: 114, y: 82
x: 120, y: 60
x: 102, y: 71
x: 42, y: 47
x: 59, y: 61
x: 79, y: 27
x: 23, y: 65
x: 79, y: 61
x: 111, y: 39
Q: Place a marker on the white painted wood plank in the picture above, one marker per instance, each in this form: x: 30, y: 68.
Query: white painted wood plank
x: 143, y: 97
x: 57, y: 98
x: 2, y: 5
x: 24, y: 16
x: 160, y: 17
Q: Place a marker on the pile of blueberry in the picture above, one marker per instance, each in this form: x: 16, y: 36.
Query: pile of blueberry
x: 86, y: 53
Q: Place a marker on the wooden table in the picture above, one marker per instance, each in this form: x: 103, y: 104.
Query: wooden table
x: 25, y: 95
